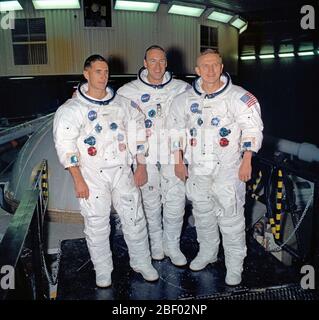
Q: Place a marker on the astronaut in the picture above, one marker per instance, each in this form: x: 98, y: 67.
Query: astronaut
x: 151, y: 94
x: 92, y: 137
x: 217, y: 128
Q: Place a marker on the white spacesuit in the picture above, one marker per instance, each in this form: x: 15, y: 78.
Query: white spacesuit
x: 213, y: 131
x: 93, y: 134
x: 153, y: 102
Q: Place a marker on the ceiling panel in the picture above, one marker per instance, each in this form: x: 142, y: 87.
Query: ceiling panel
x: 258, y: 9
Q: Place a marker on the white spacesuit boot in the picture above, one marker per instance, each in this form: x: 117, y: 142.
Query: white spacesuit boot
x: 138, y: 247
x: 153, y: 211
x: 103, y: 279
x: 208, y: 245
x: 233, y: 231
x: 207, y: 236
x: 173, y: 191
x: 136, y: 237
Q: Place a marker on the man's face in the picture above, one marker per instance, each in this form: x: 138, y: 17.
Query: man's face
x: 156, y: 64
x: 209, y: 68
x: 97, y: 75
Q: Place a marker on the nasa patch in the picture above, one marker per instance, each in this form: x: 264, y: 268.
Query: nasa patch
x: 145, y: 97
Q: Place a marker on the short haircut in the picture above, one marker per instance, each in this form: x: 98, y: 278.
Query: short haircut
x: 94, y: 57
x: 154, y: 47
x: 210, y: 51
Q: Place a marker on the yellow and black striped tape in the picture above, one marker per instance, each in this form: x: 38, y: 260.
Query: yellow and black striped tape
x: 278, y: 205
x: 255, y: 185
x: 44, y: 182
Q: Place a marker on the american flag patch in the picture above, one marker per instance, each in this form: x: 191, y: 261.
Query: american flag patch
x: 249, y: 99
x: 134, y: 104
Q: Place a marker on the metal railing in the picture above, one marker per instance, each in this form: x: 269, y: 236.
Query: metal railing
x: 22, y: 246
x: 23, y: 129
x: 273, y: 177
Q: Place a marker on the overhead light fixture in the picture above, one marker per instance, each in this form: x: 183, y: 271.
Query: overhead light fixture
x: 181, y: 8
x: 267, y: 56
x: 239, y: 23
x: 305, y: 53
x: 267, y: 48
x: 10, y: 6
x: 248, y: 58
x: 244, y: 28
x: 286, y: 55
x: 148, y: 6
x: 219, y: 16
x: 56, y: 4
x: 287, y: 47
x: 305, y: 46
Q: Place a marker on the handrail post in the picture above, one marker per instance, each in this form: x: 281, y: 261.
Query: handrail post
x: 36, y: 255
x: 314, y: 251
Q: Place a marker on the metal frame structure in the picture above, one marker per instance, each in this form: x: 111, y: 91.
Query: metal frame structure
x: 24, y: 238
x: 283, y: 168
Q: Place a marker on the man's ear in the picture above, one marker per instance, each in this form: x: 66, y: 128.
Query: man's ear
x: 222, y: 68
x: 86, y: 75
x: 145, y: 63
x: 197, y: 71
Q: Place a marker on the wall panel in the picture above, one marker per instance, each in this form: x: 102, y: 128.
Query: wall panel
x: 69, y: 42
